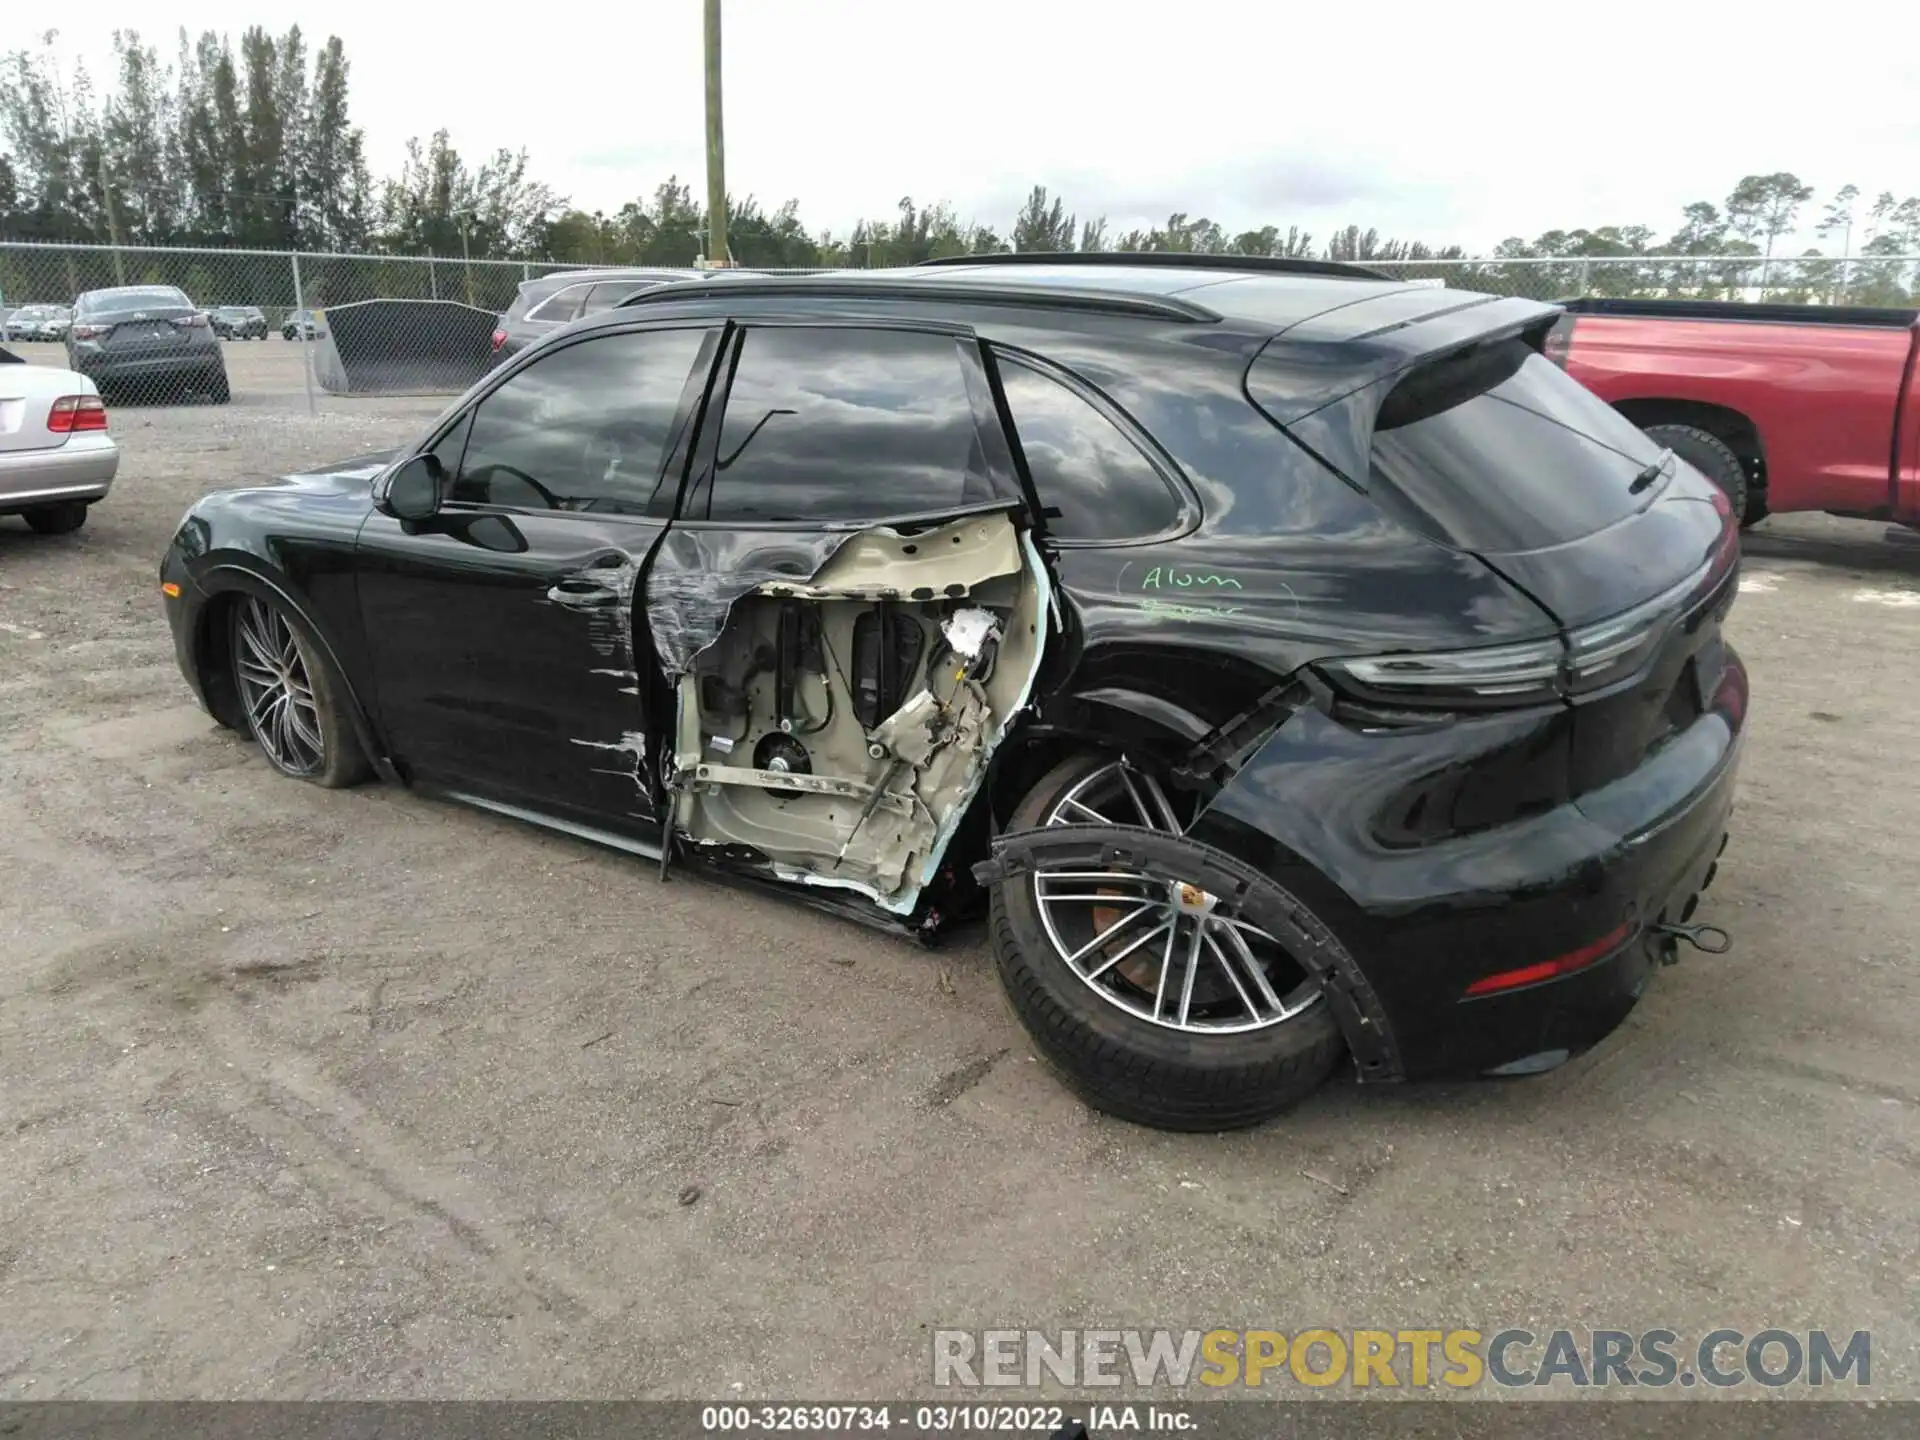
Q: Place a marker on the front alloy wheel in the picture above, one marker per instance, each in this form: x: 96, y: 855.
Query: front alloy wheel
x: 272, y: 673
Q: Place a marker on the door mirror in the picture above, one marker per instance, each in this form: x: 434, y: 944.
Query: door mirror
x: 412, y: 491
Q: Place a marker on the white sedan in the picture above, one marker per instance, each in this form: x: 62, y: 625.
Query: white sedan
x: 56, y: 457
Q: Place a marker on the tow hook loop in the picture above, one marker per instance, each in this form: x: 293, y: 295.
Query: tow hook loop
x: 1709, y: 939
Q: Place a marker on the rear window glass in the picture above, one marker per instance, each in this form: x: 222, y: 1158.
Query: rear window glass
x: 155, y: 297
x: 1499, y: 450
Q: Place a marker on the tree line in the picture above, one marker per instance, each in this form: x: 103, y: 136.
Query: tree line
x: 256, y: 147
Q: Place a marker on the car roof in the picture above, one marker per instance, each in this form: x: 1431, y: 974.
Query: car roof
x: 1344, y: 305
x: 1231, y: 293
x: 1289, y: 315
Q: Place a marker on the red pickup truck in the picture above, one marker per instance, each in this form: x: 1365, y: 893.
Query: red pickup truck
x: 1786, y: 407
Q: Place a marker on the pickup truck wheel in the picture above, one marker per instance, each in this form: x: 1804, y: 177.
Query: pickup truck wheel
x: 1153, y: 992
x: 1711, y: 456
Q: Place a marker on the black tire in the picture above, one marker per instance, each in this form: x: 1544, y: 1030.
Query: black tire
x: 342, y: 761
x: 61, y: 519
x: 1128, y: 1066
x: 1712, y: 457
x: 218, y: 390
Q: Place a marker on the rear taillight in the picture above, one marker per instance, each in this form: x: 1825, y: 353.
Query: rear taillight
x: 1591, y: 658
x: 74, y: 413
x: 88, y: 332
x: 1559, y: 341
x: 499, y: 338
x: 1490, y: 678
x: 1553, y: 969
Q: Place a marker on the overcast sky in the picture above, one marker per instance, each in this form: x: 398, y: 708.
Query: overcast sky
x: 1451, y: 123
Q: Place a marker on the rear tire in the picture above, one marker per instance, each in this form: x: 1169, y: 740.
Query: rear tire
x: 61, y: 519
x: 1711, y: 456
x: 1129, y: 1066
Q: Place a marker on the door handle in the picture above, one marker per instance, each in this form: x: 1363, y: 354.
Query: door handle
x: 583, y: 595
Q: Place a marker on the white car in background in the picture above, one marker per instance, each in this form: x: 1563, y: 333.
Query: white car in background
x: 56, y: 457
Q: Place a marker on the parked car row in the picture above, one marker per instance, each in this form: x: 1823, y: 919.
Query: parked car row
x: 238, y: 322
x: 37, y: 322
x: 229, y: 322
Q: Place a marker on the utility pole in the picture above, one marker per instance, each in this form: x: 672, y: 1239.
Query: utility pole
x: 716, y: 147
x: 113, y: 221
x: 466, y: 255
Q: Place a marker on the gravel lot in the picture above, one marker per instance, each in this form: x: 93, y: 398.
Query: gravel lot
x: 309, y: 1094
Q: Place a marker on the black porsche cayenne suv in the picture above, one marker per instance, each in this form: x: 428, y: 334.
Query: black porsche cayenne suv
x: 1301, y: 664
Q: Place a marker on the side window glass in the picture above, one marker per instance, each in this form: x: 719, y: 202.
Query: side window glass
x: 560, y: 306
x: 448, y: 449
x: 832, y: 425
x: 609, y: 294
x: 1082, y: 464
x: 585, y: 428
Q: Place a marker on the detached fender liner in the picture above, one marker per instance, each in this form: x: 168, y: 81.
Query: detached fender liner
x: 1175, y: 858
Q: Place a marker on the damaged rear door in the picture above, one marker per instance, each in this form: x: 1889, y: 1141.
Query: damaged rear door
x: 502, y: 628
x: 848, y: 609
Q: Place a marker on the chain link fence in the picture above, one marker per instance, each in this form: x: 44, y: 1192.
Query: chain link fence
x: 154, y: 326
x: 306, y: 332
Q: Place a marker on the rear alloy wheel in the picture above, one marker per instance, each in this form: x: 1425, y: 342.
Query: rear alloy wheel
x: 1711, y: 456
x: 61, y: 519
x: 1157, y: 997
x: 290, y: 695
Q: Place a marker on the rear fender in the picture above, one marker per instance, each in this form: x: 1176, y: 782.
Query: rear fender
x: 1259, y: 899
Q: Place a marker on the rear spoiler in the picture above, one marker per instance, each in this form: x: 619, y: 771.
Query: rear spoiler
x: 1332, y: 414
x: 1290, y: 378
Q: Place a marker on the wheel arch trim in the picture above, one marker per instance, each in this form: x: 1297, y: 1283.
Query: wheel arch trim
x: 1350, y: 997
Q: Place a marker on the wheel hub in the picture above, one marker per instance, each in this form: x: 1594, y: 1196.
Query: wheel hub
x: 1191, y: 899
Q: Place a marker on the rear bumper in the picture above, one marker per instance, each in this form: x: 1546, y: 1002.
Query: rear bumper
x: 102, y: 365
x: 1425, y: 922
x: 81, y: 469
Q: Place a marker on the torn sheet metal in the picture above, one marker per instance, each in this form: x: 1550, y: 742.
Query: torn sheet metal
x: 937, y: 851
x: 697, y: 575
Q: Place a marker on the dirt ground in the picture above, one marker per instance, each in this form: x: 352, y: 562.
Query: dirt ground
x: 310, y: 1094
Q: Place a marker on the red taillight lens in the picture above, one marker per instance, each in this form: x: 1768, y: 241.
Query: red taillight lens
x: 74, y: 413
x: 1559, y: 341
x: 1552, y: 969
x: 499, y: 338
x: 88, y: 332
